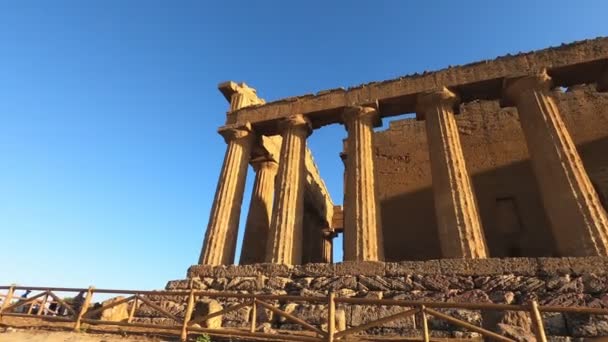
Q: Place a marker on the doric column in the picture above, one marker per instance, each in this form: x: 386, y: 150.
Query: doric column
x: 579, y: 222
x: 327, y: 246
x: 284, y: 241
x: 460, y: 232
x: 362, y: 231
x: 260, y: 211
x: 220, y: 239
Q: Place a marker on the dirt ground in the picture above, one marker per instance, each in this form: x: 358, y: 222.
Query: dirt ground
x: 20, y: 335
x: 14, y: 329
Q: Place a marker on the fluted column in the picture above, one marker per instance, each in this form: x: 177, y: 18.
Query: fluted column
x: 362, y: 231
x: 579, y: 222
x: 327, y: 245
x: 260, y: 211
x: 220, y: 238
x: 460, y: 231
x: 284, y: 241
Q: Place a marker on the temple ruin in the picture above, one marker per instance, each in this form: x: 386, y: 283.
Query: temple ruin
x: 505, y: 158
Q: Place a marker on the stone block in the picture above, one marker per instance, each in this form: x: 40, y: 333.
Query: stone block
x: 333, y: 283
x: 206, y: 307
x: 376, y: 283
x: 552, y: 266
x: 404, y: 268
x: 177, y: 285
x: 250, y: 284
x: 361, y: 314
x: 554, y: 323
x: 455, y: 267
x: 585, y: 265
x: 232, y: 271
x: 583, y: 325
x: 520, y: 266
x: 365, y: 268
x: 199, y: 271
x: 594, y: 284
x: 274, y: 270
x: 314, y: 270
x: 118, y: 313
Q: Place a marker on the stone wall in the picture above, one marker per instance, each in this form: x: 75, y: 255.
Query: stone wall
x: 552, y: 281
x: 497, y: 159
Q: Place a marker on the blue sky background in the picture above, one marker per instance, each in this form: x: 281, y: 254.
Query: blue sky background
x: 109, y: 154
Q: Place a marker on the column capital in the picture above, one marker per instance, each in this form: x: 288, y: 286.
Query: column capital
x: 236, y: 131
x: 263, y: 162
x: 514, y: 87
x: 298, y: 122
x: 430, y: 99
x: 368, y: 114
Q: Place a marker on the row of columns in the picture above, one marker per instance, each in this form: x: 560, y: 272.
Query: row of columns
x: 579, y: 222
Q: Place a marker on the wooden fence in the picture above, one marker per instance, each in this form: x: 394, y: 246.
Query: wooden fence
x: 79, y: 311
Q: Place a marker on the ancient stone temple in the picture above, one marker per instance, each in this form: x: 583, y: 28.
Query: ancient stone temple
x: 493, y: 189
x: 506, y: 158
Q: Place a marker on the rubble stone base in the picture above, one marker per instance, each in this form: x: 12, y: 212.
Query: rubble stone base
x: 551, y: 281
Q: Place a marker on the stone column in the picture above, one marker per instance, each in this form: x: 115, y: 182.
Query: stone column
x: 220, y: 239
x: 460, y: 231
x: 327, y: 246
x: 579, y: 222
x: 284, y: 241
x: 362, y: 230
x: 260, y: 211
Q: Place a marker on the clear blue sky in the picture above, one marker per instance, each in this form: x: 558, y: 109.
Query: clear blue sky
x: 108, y: 109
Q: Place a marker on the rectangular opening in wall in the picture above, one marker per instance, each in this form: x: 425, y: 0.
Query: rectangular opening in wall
x: 508, y: 226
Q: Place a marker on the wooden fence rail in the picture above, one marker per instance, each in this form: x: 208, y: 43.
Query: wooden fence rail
x: 78, y: 311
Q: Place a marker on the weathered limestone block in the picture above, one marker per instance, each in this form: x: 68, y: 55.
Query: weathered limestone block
x: 362, y: 234
x: 361, y: 314
x: 460, y: 231
x: 582, y: 325
x: 117, y: 313
x: 578, y: 221
x: 366, y: 268
x: 412, y: 267
x: 205, y: 307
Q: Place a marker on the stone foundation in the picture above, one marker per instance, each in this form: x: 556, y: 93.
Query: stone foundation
x: 551, y: 281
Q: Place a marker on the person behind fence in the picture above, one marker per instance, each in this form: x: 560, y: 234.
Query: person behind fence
x: 24, y: 308
x: 78, y: 301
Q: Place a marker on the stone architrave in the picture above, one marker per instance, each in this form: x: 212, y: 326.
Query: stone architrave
x: 578, y: 221
x: 362, y: 233
x: 260, y: 211
x: 221, y: 235
x: 460, y: 231
x: 284, y: 241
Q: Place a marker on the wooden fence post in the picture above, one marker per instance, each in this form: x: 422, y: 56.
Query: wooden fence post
x: 537, y: 319
x: 132, y: 311
x: 254, y: 315
x: 425, y: 325
x: 7, y: 299
x: 331, y: 317
x: 84, y: 308
x: 188, y: 315
x: 42, y: 304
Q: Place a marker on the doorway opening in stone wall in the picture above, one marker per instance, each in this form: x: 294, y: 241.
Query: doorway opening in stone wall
x: 509, y: 227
